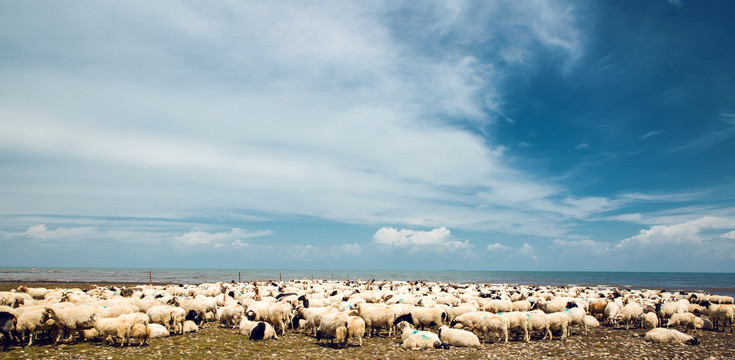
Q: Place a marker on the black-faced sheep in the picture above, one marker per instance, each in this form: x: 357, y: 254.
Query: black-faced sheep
x: 8, y: 322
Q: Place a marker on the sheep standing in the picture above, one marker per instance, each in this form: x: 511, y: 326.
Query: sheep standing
x: 492, y: 325
x: 356, y: 329
x: 457, y: 337
x: 687, y: 320
x: 69, y: 320
x: 518, y: 322
x: 559, y: 322
x: 279, y: 315
x: 140, y: 333
x: 8, y: 322
x: 31, y: 322
x: 611, y: 313
x: 668, y: 336
x: 334, y: 327
x: 649, y: 320
x: 376, y: 317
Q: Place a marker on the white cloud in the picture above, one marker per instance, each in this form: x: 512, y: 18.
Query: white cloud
x: 676, y: 3
x: 60, y: 233
x: 576, y: 247
x: 404, y: 237
x: 527, y: 250
x: 352, y: 249
x: 651, y: 134
x: 497, y: 247
x: 206, y: 238
x: 437, y: 239
x: 729, y: 235
x: 582, y: 146
x: 693, y: 232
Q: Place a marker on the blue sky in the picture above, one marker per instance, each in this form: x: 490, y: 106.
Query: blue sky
x: 487, y: 135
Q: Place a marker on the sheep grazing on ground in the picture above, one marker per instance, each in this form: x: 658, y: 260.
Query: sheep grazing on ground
x: 457, y: 337
x: 649, y: 320
x: 140, y: 333
x: 559, y: 322
x: 492, y: 325
x: 577, y: 316
x: 258, y: 311
x: 31, y: 322
x: 538, y: 322
x: 356, y: 329
x: 279, y: 315
x: 686, y: 320
x: 334, y: 327
x: 597, y: 309
x: 8, y: 323
x: 163, y: 315
x: 157, y: 331
x: 611, y: 313
x: 669, y: 336
x: 518, y: 323
x: 468, y: 320
x: 724, y: 314
x: 376, y: 317
x: 113, y: 329
x: 313, y: 317
x: 665, y: 311
x: 230, y: 316
x: 416, y: 339
x: 629, y: 313
x: 422, y: 317
x: 70, y: 320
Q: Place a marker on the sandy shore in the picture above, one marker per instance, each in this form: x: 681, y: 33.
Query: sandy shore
x: 212, y: 341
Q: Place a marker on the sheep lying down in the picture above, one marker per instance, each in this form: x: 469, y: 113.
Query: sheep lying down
x: 670, y: 336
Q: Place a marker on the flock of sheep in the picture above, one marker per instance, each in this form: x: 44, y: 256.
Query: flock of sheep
x: 344, y: 311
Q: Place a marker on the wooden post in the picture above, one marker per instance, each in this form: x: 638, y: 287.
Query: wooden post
x: 150, y: 278
x: 280, y: 277
x: 239, y: 279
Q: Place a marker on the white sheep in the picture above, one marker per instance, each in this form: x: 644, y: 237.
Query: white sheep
x: 279, y: 315
x: 630, y: 313
x: 576, y: 317
x: 422, y: 317
x: 140, y: 333
x: 492, y: 324
x: 518, y: 322
x: 377, y: 317
x: 31, y: 322
x: 258, y: 311
x: 559, y: 322
x: 356, y: 329
x: 611, y: 312
x: 334, y: 327
x: 538, y: 321
x: 71, y: 320
x: 649, y: 320
x: 468, y: 320
x: 669, y: 336
x: 230, y: 316
x: 686, y: 320
x: 190, y: 326
x: 457, y: 337
x: 416, y: 339
x: 157, y: 331
x: 113, y: 329
x: 35, y: 293
x: 498, y: 306
x: 591, y: 321
x: 163, y: 315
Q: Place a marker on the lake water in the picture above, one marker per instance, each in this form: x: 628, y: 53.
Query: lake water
x: 717, y: 283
